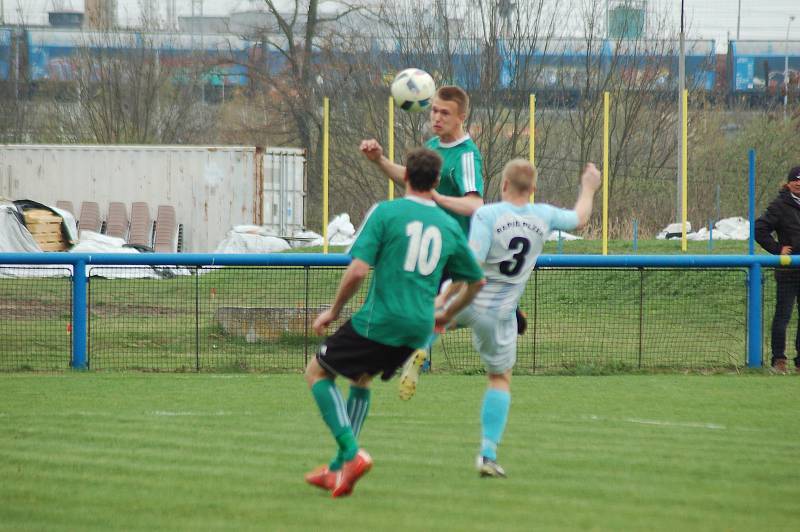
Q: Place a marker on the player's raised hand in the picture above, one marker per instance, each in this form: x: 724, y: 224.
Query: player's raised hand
x: 322, y: 322
x: 590, y: 178
x: 371, y: 149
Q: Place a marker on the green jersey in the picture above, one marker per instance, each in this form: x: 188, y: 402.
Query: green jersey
x: 461, y: 171
x: 409, y: 242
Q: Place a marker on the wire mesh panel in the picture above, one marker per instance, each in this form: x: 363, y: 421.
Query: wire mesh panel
x: 252, y: 318
x: 322, y: 286
x: 581, y: 317
x: 35, y: 318
x: 694, y: 318
x: 787, y: 285
x: 142, y: 318
x: 260, y: 318
x: 625, y: 319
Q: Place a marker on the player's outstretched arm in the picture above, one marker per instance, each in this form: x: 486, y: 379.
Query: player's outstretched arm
x: 352, y: 278
x: 590, y: 182
x: 373, y: 151
x: 464, y: 298
x: 465, y: 205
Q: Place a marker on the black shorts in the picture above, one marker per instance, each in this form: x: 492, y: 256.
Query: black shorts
x: 350, y: 355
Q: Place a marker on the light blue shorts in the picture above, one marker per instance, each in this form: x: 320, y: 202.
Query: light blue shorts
x: 494, y: 339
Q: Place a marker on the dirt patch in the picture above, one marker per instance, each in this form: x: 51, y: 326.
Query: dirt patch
x: 32, y: 309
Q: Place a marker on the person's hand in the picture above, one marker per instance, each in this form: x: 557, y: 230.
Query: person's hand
x: 435, y: 196
x: 322, y: 322
x: 786, y: 250
x: 590, y: 178
x: 372, y: 150
x: 442, y: 318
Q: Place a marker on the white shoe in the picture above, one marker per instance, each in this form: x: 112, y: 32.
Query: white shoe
x: 489, y: 468
x: 410, y: 374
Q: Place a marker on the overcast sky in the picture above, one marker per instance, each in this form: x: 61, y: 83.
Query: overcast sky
x: 708, y: 19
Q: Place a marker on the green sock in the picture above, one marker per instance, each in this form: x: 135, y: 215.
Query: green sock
x: 357, y: 409
x: 331, y: 406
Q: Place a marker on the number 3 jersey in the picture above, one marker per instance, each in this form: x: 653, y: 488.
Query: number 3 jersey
x: 506, y: 239
x: 409, y: 242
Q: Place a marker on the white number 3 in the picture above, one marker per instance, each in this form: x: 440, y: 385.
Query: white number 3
x: 424, y: 249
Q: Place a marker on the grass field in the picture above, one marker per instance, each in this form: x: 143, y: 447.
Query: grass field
x: 130, y: 451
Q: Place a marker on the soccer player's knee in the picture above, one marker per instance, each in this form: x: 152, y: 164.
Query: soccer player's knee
x: 314, y: 372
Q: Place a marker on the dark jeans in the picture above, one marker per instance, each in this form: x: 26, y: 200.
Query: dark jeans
x: 787, y: 291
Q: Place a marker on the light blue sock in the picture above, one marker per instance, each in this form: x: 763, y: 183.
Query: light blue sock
x: 494, y: 414
x: 426, y: 366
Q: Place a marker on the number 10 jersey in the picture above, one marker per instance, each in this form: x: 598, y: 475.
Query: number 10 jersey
x: 506, y: 240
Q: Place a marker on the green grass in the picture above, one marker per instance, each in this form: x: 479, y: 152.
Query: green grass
x: 95, y: 451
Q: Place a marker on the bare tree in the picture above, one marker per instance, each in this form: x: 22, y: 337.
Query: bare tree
x: 292, y: 81
x: 124, y: 91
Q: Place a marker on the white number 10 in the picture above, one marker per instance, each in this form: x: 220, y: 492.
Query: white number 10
x: 424, y: 249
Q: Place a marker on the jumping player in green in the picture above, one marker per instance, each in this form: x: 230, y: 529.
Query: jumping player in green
x: 409, y: 243
x: 460, y: 189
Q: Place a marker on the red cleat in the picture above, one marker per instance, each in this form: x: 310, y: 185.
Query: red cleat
x: 322, y: 477
x: 352, y: 471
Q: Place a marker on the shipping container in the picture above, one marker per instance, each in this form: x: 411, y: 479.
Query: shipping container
x: 212, y: 188
x: 284, y: 189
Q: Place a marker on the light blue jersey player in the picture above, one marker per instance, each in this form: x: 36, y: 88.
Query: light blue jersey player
x: 506, y: 238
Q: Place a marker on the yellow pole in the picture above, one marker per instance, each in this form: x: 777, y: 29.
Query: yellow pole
x: 532, y: 133
x: 685, y: 168
x: 391, y: 143
x: 605, y: 172
x: 325, y: 125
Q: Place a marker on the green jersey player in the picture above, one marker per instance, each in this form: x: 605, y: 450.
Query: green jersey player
x: 409, y: 242
x: 460, y: 189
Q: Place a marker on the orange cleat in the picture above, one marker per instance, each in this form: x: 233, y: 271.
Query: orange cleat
x: 352, y: 471
x: 322, y: 477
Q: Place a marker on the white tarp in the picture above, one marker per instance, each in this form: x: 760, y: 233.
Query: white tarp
x: 252, y: 239
x: 734, y: 228
x: 14, y: 236
x: 92, y: 242
x: 340, y: 232
x: 554, y: 236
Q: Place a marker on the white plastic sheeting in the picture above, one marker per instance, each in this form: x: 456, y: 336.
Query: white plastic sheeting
x: 14, y: 236
x: 252, y: 239
x: 734, y: 228
x: 340, y: 232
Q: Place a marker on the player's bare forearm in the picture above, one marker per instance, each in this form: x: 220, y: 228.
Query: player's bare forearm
x: 464, y: 298
x: 464, y: 205
x: 373, y: 151
x: 352, y: 278
x: 444, y: 299
x: 590, y: 182
x: 393, y: 171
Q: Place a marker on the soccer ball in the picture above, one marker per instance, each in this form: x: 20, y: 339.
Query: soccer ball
x: 413, y: 90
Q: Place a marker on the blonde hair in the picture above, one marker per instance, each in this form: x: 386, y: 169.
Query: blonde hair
x: 520, y: 174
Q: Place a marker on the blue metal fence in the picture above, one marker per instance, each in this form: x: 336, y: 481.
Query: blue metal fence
x: 79, y: 263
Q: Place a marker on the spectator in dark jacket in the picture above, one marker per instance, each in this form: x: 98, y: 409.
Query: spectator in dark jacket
x: 783, y: 218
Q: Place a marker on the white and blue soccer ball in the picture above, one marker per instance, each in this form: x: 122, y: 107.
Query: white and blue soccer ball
x: 413, y: 90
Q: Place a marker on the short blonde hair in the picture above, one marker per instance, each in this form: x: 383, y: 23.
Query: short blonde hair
x: 520, y: 174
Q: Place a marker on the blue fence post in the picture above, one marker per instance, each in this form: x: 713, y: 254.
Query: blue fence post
x: 79, y: 315
x: 751, y: 156
x: 754, y: 316
x: 560, y: 243
x: 635, y: 235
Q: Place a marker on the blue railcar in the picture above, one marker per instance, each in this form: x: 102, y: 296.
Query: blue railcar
x: 757, y: 67
x: 5, y: 53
